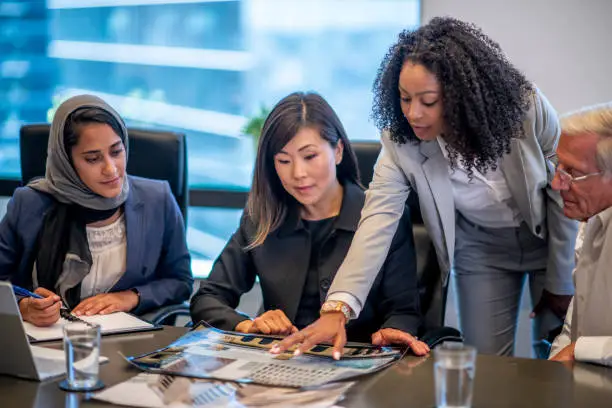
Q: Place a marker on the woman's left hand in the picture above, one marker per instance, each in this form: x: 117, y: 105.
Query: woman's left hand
x: 106, y: 303
x: 388, y: 336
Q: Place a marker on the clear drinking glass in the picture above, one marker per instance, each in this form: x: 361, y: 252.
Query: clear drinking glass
x: 455, y: 368
x: 82, y: 348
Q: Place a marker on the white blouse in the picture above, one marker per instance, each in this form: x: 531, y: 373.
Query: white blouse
x: 108, y: 246
x: 485, y: 199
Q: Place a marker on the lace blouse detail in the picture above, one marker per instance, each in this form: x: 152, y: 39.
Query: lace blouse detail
x: 101, y: 238
x: 108, y: 246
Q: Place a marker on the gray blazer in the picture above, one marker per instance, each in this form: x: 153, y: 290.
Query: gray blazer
x: 402, y: 168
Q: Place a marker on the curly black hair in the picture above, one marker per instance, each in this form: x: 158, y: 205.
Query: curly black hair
x: 485, y: 98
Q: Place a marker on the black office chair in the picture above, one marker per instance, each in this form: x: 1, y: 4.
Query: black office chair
x: 153, y: 154
x: 431, y: 291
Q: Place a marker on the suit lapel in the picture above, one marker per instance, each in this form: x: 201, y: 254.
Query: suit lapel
x: 292, y: 251
x: 134, y: 225
x: 512, y: 167
x: 435, y: 170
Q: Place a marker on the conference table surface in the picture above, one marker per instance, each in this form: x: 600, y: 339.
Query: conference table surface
x: 499, y: 381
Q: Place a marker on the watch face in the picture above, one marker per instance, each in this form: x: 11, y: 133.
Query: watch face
x: 332, y: 306
x: 335, y: 306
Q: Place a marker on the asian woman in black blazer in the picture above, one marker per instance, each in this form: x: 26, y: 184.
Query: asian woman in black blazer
x: 302, y: 213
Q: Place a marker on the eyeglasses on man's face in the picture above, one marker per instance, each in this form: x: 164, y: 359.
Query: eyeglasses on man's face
x: 565, y: 176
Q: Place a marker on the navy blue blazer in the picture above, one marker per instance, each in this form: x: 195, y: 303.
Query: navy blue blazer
x: 158, y: 263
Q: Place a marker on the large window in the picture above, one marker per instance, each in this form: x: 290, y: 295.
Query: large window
x: 197, y: 67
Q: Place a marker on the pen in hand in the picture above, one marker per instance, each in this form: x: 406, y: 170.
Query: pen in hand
x: 19, y: 291
x: 64, y: 311
x: 26, y: 293
x: 42, y: 308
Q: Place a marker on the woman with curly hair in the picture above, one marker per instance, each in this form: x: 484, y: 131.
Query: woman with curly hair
x: 467, y: 132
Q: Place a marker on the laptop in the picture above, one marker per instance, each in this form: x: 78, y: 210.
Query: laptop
x: 17, y: 357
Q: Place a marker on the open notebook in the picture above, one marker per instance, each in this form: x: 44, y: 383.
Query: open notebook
x: 114, y: 323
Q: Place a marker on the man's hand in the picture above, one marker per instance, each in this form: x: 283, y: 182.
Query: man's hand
x: 41, y: 312
x: 328, y: 328
x: 388, y: 336
x: 558, y: 304
x: 566, y: 354
x: 270, y: 322
x: 106, y: 303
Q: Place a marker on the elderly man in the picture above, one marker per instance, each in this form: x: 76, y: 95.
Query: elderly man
x: 584, y: 178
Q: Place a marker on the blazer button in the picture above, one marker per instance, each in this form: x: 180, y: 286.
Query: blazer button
x: 325, y: 284
x: 538, y: 229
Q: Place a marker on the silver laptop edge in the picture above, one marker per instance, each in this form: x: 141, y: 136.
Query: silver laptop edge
x: 17, y: 358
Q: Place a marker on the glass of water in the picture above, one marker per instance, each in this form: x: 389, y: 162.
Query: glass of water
x: 82, y: 349
x: 455, y: 367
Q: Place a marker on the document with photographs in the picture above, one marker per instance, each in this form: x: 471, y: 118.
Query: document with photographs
x: 160, y: 390
x: 208, y: 353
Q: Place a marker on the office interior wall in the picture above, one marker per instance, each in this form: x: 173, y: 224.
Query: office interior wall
x: 561, y: 45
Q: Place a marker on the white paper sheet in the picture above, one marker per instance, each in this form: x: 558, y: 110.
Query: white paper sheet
x: 112, y: 323
x: 156, y: 390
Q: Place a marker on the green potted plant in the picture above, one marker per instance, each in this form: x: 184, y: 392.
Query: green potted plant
x: 254, y: 124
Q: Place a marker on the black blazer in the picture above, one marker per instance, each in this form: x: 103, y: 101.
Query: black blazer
x: 282, y: 261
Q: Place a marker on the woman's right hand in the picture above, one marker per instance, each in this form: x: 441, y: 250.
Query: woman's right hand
x: 329, y: 328
x: 41, y: 312
x: 270, y: 322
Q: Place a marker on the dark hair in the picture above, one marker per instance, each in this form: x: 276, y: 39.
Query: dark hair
x: 268, y: 200
x: 485, y: 98
x: 83, y: 116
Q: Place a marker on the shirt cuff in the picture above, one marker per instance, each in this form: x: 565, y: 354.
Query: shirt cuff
x: 559, y: 287
x: 592, y: 349
x: 349, y: 299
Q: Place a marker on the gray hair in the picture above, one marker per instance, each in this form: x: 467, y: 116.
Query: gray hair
x: 596, y: 119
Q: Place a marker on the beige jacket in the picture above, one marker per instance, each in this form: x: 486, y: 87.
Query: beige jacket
x: 589, y: 318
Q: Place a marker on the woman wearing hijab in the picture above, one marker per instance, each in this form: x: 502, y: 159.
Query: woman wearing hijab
x: 87, y: 235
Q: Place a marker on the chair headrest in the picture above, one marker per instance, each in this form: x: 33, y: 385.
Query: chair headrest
x: 367, y: 153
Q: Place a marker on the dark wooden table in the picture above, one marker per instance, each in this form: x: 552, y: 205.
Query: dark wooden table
x: 500, y: 381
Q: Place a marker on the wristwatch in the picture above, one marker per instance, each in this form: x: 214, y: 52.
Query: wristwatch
x: 336, y: 306
x: 137, y: 292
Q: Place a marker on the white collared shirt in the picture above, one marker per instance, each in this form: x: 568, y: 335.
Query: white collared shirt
x: 592, y: 329
x: 485, y: 200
